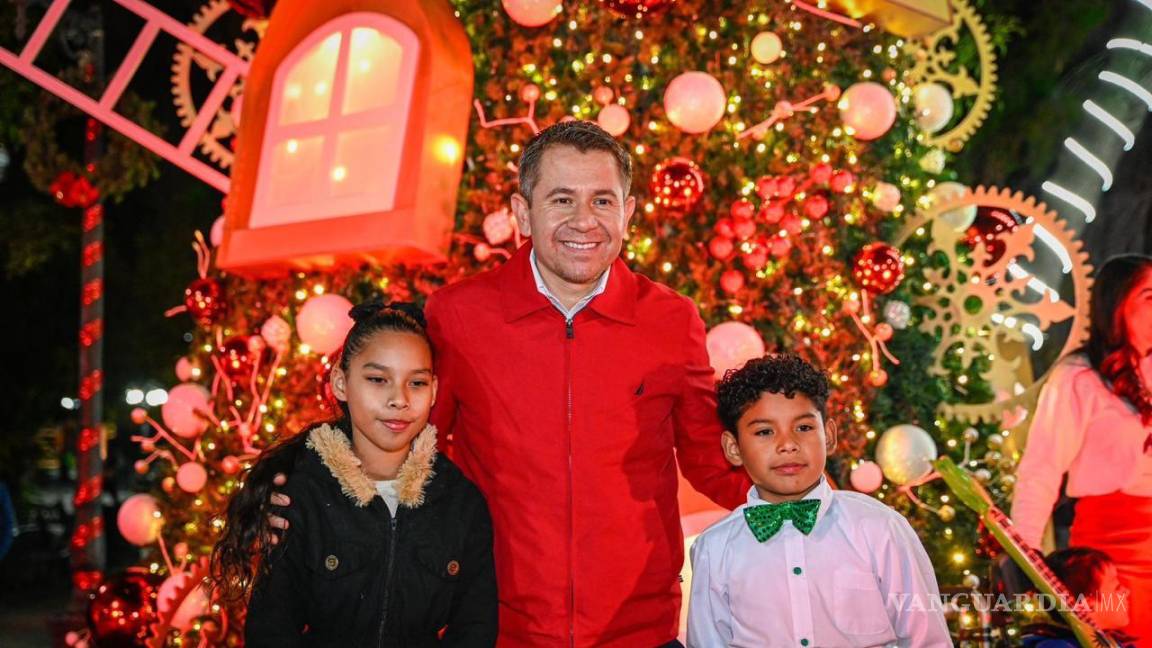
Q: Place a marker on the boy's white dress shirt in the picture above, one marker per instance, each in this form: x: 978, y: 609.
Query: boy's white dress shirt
x: 860, y: 578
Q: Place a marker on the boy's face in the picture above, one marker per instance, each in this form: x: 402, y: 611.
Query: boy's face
x: 783, y: 444
x: 1110, y: 605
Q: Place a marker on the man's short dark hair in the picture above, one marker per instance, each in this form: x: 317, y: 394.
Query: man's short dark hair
x: 777, y: 373
x: 583, y: 136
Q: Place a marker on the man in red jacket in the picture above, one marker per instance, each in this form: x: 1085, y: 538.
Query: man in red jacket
x: 571, y: 387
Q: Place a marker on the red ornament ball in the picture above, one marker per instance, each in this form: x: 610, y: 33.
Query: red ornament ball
x: 821, y: 174
x: 258, y: 9
x: 878, y: 268
x: 743, y: 209
x: 677, y: 184
x: 121, y: 610
x: 636, y: 8
x: 732, y: 281
x: 780, y: 246
x: 878, y: 378
x: 237, y: 358
x: 744, y: 229
x: 204, y: 299
x: 755, y: 259
x: 815, y: 206
x: 772, y: 212
x: 721, y: 247
x: 991, y: 227
x: 841, y: 181
x: 723, y: 227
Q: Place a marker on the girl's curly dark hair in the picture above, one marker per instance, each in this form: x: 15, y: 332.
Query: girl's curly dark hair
x: 240, y: 557
x: 1108, y: 349
x: 777, y: 373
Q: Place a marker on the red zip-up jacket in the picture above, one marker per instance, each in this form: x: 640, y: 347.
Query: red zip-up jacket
x: 573, y: 431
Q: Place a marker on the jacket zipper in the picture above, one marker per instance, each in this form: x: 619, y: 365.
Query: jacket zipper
x: 388, y: 577
x: 569, y: 336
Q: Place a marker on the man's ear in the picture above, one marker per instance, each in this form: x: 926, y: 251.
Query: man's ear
x: 731, y: 448
x: 521, y: 210
x: 339, y: 383
x: 831, y: 435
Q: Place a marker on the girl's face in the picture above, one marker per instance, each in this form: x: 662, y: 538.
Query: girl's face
x: 1110, y: 605
x: 1137, y: 313
x: 389, y: 389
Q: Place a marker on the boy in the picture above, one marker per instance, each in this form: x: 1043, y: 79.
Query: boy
x: 800, y: 564
x: 1090, y: 575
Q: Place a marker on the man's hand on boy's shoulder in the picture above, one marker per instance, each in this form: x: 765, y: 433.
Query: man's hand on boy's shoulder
x: 280, y: 500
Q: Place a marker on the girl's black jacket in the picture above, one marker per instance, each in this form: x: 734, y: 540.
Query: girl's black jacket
x: 348, y: 573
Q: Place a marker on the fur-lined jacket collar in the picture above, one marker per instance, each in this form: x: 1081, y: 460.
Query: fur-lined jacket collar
x: 336, y: 454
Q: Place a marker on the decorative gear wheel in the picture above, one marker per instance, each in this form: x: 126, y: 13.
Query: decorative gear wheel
x: 978, y: 306
x: 198, y: 574
x: 936, y: 53
x: 214, y: 143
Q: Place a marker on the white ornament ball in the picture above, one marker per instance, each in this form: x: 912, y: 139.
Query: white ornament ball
x: 866, y: 477
x: 960, y: 218
x: 934, y: 106
x: 995, y: 440
x: 933, y: 161
x: 191, y: 477
x: 767, y: 48
x: 886, y: 197
x: 971, y: 435
x: 498, y: 227
x: 898, y: 314
x: 277, y: 333
x: 694, y: 102
x: 532, y: 13
x: 139, y: 519
x: 905, y: 453
x: 971, y: 581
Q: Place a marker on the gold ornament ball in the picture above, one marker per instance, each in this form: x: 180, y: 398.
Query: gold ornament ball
x: 766, y: 48
x: 971, y: 435
x: 1008, y: 481
x: 983, y: 475
x: 995, y: 440
x: 947, y: 513
x: 992, y: 456
x: 971, y: 581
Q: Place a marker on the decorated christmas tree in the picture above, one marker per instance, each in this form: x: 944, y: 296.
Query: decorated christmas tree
x: 792, y: 175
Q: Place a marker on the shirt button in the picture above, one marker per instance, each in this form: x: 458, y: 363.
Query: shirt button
x: 797, y: 571
x: 803, y: 642
x: 331, y: 563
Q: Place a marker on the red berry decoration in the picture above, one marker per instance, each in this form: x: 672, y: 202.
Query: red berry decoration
x: 841, y: 181
x: 821, y: 174
x: 636, y: 8
x: 878, y: 268
x: 743, y: 209
x: 677, y: 184
x: 204, y: 299
x: 721, y: 247
x: 990, y: 228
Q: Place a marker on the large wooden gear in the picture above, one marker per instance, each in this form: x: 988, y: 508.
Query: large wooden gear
x: 936, y: 63
x: 978, y: 305
x: 187, y: 61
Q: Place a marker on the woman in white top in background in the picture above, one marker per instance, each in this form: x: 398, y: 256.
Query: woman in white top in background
x: 1094, y: 422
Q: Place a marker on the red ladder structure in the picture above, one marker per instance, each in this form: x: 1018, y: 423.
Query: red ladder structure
x: 103, y: 109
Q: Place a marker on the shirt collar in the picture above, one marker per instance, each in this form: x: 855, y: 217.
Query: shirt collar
x: 568, y: 313
x: 822, y: 492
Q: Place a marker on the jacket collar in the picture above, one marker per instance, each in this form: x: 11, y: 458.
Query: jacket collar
x: 335, y: 451
x: 521, y: 298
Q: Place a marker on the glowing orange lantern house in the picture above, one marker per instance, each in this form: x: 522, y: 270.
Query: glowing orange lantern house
x: 355, y: 114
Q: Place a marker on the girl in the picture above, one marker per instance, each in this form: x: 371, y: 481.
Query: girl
x: 1094, y: 423
x: 390, y: 545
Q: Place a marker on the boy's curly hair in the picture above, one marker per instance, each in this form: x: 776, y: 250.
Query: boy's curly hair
x: 777, y: 373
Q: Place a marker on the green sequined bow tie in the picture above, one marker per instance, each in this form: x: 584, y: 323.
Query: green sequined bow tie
x: 766, y: 519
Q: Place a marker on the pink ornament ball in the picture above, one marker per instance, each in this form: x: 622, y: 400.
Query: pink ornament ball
x: 323, y: 322
x: 277, y: 333
x: 216, y: 234
x: 191, y: 477
x: 182, y: 413
x: 139, y: 519
x: 603, y: 95
x: 731, y: 344
x: 866, y: 477
x: 615, y: 119
x: 532, y: 13
x: 694, y: 102
x: 139, y: 415
x: 230, y: 465
x: 868, y: 109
